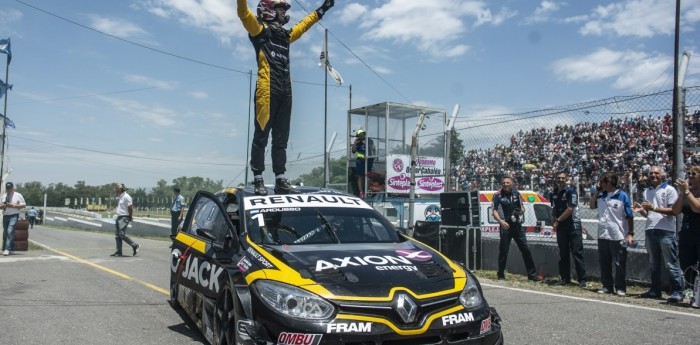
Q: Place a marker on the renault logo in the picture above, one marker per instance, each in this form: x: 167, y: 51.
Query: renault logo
x: 406, y: 308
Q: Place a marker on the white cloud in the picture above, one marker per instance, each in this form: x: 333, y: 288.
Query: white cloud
x: 640, y: 18
x: 352, y: 12
x: 436, y: 28
x: 199, y: 94
x: 628, y: 69
x: 8, y: 17
x: 151, y: 82
x: 216, y: 16
x: 543, y: 12
x: 116, y: 27
x: 142, y: 114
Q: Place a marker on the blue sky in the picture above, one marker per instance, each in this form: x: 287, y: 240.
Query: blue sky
x: 141, y: 90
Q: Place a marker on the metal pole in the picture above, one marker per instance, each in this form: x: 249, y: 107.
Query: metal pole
x: 4, y: 120
x: 414, y: 150
x: 250, y: 100
x: 448, y: 149
x: 677, y: 116
x: 325, y: 109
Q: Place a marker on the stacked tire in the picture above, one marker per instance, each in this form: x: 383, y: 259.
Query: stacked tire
x: 21, y: 235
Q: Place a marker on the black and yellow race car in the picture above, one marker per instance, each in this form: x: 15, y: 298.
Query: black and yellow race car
x: 321, y: 267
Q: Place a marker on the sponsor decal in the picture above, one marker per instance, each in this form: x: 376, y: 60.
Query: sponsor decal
x: 457, y: 318
x: 432, y: 213
x: 485, y: 325
x: 244, y: 264
x: 351, y: 327
x: 397, y: 164
x: 415, y: 255
x: 259, y: 258
x: 283, y: 202
x: 298, y: 339
x: 400, y: 182
x: 382, y: 263
x: 204, y: 273
x: 431, y: 184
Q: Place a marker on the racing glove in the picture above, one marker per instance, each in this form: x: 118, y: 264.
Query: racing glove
x: 327, y: 4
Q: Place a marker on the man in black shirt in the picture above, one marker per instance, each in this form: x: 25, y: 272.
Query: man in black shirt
x: 508, y: 211
x: 567, y: 224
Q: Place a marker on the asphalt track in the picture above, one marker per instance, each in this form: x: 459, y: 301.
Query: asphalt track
x: 73, y: 292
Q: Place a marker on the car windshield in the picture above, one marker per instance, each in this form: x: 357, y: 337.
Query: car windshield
x: 318, y: 224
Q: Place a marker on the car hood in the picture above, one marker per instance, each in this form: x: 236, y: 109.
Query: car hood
x: 372, y: 270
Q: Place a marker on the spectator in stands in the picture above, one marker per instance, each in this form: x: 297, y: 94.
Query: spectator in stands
x: 615, y: 227
x: 567, y: 225
x: 689, y: 236
x: 660, y: 234
x: 508, y: 211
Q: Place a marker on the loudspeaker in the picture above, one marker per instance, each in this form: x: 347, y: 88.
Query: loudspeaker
x: 462, y: 244
x: 454, y: 217
x: 453, y: 243
x: 454, y: 200
x: 460, y: 208
x: 427, y: 232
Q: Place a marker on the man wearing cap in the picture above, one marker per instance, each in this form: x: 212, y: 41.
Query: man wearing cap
x: 12, y: 202
x: 362, y: 148
x: 177, y: 212
x: 125, y: 213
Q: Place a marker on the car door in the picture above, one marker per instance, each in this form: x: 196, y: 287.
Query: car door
x: 209, y: 240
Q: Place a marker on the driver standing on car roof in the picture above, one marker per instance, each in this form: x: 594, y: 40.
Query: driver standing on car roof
x: 508, y: 211
x: 273, y: 88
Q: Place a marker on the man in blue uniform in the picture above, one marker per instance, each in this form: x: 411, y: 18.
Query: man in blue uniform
x: 508, y: 211
x: 567, y: 224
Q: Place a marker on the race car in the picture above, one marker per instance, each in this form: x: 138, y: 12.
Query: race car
x: 320, y: 267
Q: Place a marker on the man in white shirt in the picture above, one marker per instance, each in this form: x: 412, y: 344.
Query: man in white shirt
x: 12, y: 202
x: 660, y: 234
x: 125, y: 212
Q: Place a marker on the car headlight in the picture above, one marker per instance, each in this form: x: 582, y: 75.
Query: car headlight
x: 294, y: 302
x: 470, y: 296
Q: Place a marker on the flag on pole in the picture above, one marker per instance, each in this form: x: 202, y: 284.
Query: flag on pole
x: 8, y: 123
x: 5, y: 49
x: 324, y: 62
x: 4, y: 87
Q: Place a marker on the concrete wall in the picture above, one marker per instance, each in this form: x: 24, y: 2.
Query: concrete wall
x: 546, y: 257
x: 152, y: 227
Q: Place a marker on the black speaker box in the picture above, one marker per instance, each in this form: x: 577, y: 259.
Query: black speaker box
x: 427, y: 232
x: 454, y: 217
x: 454, y: 200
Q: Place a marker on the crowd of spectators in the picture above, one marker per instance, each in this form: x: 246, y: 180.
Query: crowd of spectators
x: 626, y: 146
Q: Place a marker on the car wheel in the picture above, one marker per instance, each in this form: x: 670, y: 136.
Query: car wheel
x: 173, y: 295
x: 225, y: 318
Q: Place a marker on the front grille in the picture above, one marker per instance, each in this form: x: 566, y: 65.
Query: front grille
x: 386, y: 310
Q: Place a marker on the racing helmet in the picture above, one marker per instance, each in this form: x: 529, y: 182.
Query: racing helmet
x: 267, y: 10
x: 360, y: 132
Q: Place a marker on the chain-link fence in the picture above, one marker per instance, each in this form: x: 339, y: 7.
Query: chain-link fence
x: 625, y: 135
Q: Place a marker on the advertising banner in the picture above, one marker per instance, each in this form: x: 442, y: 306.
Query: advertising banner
x: 430, y: 174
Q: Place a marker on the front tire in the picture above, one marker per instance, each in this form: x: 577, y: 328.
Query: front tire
x: 225, y: 318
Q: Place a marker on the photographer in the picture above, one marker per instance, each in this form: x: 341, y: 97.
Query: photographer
x: 508, y: 211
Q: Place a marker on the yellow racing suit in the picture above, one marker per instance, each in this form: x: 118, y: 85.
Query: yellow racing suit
x: 273, y: 88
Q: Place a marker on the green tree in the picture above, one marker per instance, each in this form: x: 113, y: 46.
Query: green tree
x: 337, y: 175
x: 33, y: 193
